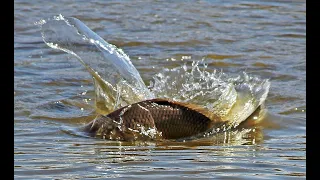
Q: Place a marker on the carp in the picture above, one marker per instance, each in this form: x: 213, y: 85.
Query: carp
x: 170, y: 120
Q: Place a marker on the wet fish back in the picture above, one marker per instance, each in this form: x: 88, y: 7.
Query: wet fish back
x: 172, y: 119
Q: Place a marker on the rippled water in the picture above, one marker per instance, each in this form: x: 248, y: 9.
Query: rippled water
x: 54, y: 93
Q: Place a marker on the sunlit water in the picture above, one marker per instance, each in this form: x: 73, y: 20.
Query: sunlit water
x: 221, y: 55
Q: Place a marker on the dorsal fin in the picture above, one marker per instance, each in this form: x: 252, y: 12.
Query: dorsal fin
x: 191, y: 106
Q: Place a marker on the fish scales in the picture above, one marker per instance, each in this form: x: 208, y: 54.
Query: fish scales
x: 172, y: 119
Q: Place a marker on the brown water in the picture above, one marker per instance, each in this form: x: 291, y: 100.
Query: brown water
x: 54, y: 93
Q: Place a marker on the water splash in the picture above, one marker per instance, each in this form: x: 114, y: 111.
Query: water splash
x: 118, y: 83
x: 232, y: 98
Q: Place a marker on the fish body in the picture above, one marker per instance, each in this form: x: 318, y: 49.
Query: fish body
x: 170, y: 119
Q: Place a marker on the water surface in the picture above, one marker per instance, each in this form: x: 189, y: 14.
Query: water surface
x: 54, y: 92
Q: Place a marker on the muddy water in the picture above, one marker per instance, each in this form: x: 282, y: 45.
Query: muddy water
x: 54, y: 93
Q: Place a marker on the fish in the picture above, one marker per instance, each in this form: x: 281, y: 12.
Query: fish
x: 165, y: 119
